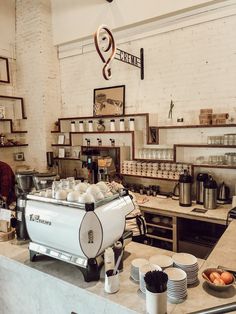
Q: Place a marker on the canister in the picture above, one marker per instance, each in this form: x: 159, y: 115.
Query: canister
x: 201, y: 178
x: 210, y: 194
x: 185, y: 189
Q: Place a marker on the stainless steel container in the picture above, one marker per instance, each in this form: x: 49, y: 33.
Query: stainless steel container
x: 43, y: 180
x: 185, y: 189
x: 24, y: 180
x: 201, y: 179
x: 210, y: 194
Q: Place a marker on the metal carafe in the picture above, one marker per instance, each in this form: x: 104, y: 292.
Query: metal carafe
x: 210, y: 194
x: 223, y: 194
x: 185, y: 189
x: 201, y: 178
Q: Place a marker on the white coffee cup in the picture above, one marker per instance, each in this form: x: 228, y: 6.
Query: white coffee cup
x: 156, y: 302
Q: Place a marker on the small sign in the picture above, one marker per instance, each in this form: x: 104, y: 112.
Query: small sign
x: 5, y: 214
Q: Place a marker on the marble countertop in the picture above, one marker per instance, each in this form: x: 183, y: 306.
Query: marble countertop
x: 129, y: 295
x: 167, y: 205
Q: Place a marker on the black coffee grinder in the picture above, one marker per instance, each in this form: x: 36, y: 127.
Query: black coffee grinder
x: 24, y: 185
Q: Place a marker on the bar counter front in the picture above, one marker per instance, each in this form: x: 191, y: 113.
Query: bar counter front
x: 52, y: 286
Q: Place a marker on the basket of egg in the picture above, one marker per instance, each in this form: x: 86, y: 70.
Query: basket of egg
x: 218, y: 279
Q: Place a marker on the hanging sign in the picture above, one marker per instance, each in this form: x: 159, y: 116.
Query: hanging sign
x: 106, y: 48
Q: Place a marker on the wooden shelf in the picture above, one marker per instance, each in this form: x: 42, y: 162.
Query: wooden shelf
x: 205, y: 145
x: 105, y: 117
x: 66, y: 158
x: 153, y: 178
x: 61, y: 145
x: 158, y: 238
x: 214, y: 166
x: 196, y: 126
x: 17, y: 145
x: 155, y: 160
x: 158, y: 226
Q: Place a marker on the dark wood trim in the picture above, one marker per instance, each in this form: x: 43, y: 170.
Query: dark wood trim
x: 61, y: 145
x: 7, y: 71
x: 11, y: 126
x: 155, y: 160
x: 66, y: 158
x: 196, y: 126
x: 19, y: 132
x: 205, y: 145
x: 16, y: 145
x: 98, y: 117
x: 97, y: 132
x: 101, y: 147
x: 22, y: 103
x: 213, y: 166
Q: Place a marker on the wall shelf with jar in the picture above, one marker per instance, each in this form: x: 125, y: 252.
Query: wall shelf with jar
x: 12, y: 115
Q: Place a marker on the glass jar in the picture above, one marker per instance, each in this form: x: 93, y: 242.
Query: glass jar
x: 72, y: 126
x: 122, y: 124
x: 81, y: 126
x: 131, y: 124
x: 90, y: 126
x: 112, y: 125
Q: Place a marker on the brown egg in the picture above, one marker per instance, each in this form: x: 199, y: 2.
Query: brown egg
x: 227, y: 277
x: 214, y: 275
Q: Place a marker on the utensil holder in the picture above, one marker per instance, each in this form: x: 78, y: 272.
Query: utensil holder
x: 112, y: 282
x: 156, y: 302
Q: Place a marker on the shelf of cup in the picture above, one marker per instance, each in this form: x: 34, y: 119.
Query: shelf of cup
x: 147, y: 177
x: 15, y: 145
x: 155, y: 160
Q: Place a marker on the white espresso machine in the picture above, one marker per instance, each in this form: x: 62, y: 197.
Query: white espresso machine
x: 76, y: 233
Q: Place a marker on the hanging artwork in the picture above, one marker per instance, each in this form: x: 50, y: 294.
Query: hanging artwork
x: 109, y: 101
x: 4, y: 70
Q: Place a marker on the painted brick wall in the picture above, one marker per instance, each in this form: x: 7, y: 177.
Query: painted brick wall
x: 194, y: 66
x: 37, y: 76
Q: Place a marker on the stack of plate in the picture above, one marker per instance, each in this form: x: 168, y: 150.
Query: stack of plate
x: 176, y: 285
x: 163, y: 261
x: 135, y: 265
x: 189, y: 264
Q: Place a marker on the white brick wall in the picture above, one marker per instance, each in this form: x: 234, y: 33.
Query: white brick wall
x: 194, y: 66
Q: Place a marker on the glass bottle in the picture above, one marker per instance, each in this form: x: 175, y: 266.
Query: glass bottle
x: 81, y: 126
x: 122, y: 124
x: 90, y: 125
x: 131, y: 124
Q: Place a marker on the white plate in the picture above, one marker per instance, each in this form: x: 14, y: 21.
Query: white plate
x: 163, y: 261
x: 184, y: 259
x: 175, y: 274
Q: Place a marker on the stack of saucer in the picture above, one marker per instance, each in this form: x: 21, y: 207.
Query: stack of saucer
x: 135, y: 265
x: 177, y: 285
x: 163, y: 261
x: 188, y: 263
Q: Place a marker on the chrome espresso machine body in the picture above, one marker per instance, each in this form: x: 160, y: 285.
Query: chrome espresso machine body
x: 76, y: 233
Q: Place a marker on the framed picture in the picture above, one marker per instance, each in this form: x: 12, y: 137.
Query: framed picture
x: 109, y: 101
x: 153, y: 135
x: 4, y: 70
x: 61, y: 152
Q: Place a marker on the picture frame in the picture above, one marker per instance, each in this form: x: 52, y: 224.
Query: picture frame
x: 109, y: 101
x: 153, y: 137
x: 61, y: 139
x: 2, y: 112
x: 4, y: 70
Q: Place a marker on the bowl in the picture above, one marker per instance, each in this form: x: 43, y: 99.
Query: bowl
x: 206, y: 273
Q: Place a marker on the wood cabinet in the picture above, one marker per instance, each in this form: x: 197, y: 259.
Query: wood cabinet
x: 161, y: 229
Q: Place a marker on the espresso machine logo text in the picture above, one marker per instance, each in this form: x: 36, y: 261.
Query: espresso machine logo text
x: 36, y: 218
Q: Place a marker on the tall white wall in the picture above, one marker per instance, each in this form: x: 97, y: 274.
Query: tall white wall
x: 78, y: 19
x: 7, y: 26
x: 37, y: 76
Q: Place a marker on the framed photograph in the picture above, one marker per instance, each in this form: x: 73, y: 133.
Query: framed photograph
x: 109, y: 101
x: 61, y: 139
x: 4, y: 70
x: 153, y: 135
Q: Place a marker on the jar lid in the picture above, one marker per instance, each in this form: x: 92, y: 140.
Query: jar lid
x: 90, y: 121
x: 131, y: 119
x: 122, y: 119
x: 112, y: 120
x: 72, y: 121
x: 81, y: 121
x: 202, y: 177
